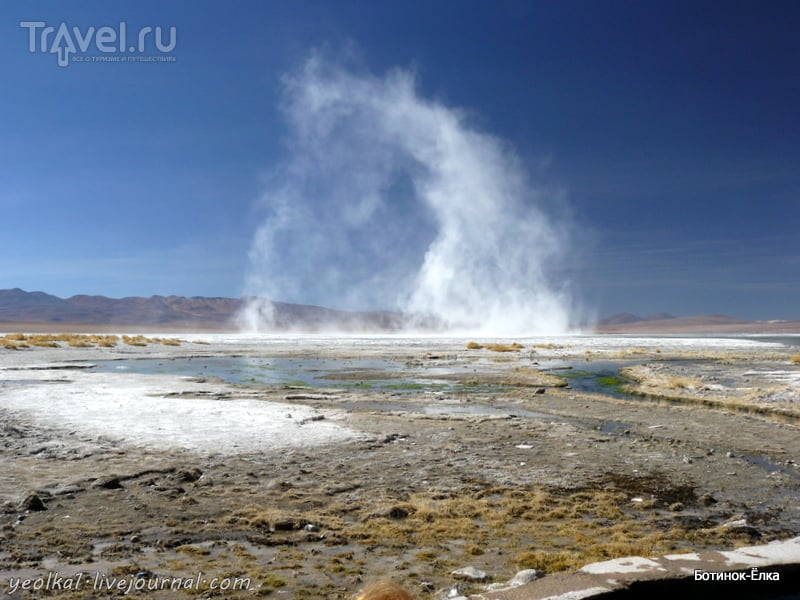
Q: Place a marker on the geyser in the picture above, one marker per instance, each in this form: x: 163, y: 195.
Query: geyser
x: 388, y: 200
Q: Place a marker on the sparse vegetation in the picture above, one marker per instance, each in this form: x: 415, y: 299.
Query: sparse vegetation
x: 677, y: 382
x: 136, y: 340
x: 613, y: 382
x: 551, y: 530
x: 12, y: 344
x: 795, y: 359
x: 499, y: 493
x: 514, y: 347
x: 16, y: 341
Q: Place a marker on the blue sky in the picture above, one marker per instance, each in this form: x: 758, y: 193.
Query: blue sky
x: 668, y: 131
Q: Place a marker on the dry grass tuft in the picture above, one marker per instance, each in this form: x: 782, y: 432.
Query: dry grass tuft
x: 192, y: 550
x: 571, y: 528
x: 58, y: 340
x: 548, y: 562
x: 515, y: 347
x: 12, y: 344
x: 43, y: 341
x: 795, y: 358
x: 136, y: 340
x: 678, y: 382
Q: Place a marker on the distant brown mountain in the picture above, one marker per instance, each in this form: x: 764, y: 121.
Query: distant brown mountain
x: 665, y: 323
x: 177, y: 312
x: 624, y: 318
x: 38, y: 311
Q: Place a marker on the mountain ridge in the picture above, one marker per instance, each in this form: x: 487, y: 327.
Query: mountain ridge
x: 42, y: 311
x: 218, y: 313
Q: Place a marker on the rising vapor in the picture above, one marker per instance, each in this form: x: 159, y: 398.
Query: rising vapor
x: 389, y: 200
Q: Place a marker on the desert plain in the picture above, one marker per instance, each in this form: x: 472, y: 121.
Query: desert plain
x: 306, y: 466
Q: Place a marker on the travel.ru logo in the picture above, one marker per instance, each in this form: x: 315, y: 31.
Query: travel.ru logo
x: 71, y: 43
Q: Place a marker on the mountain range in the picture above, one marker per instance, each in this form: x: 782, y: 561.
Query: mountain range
x: 174, y: 312
x: 664, y: 323
x: 21, y: 310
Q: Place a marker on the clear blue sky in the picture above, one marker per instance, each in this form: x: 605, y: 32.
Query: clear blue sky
x: 672, y: 130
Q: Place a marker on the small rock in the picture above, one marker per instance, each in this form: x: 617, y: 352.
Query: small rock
x: 32, y: 502
x: 707, y: 500
x: 8, y: 507
x: 312, y: 419
x: 111, y: 482
x: 729, y: 455
x: 204, y: 481
x: 470, y: 574
x: 397, y: 512
x: 525, y: 576
x: 676, y: 506
x: 64, y: 490
x: 284, y: 525
x: 427, y: 586
x: 311, y: 527
x: 539, y: 391
x: 687, y: 460
x: 741, y: 525
x: 190, y: 475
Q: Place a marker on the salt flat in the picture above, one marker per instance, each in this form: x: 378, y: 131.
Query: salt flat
x: 417, y: 456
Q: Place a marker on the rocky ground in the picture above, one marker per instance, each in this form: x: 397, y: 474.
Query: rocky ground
x: 510, y: 468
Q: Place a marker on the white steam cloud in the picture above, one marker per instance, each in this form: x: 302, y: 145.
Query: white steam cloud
x: 392, y: 201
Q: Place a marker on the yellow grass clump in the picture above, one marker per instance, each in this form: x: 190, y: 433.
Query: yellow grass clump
x: 15, y: 341
x: 795, y: 358
x: 135, y: 340
x: 677, y: 382
x: 12, y: 344
x: 384, y: 590
x: 43, y: 341
x: 515, y: 347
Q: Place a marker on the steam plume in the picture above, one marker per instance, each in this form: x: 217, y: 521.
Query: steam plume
x: 390, y: 200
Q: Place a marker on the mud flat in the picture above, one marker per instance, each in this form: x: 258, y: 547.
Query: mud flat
x: 303, y: 467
